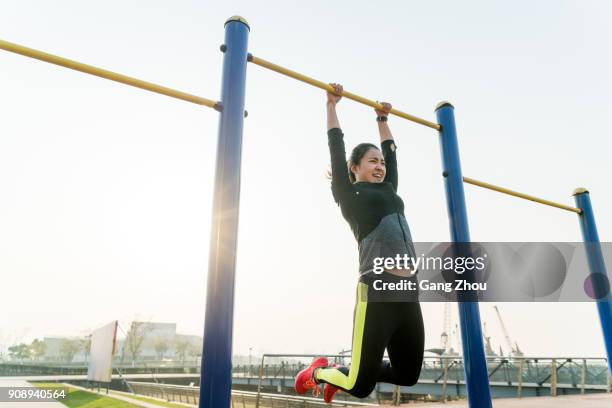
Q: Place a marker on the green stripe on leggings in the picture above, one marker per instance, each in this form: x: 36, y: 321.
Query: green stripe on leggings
x: 335, y: 377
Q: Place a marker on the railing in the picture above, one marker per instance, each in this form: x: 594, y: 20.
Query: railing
x: 39, y: 368
x: 240, y: 399
x: 171, y: 393
x: 521, y: 372
x: 126, y: 363
x: 286, y: 401
x: 578, y: 374
x: 263, y: 369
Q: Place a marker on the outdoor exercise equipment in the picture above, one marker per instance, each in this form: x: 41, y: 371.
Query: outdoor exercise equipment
x: 216, y: 370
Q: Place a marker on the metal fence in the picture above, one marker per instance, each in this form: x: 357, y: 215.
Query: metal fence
x: 579, y: 373
x: 240, y: 399
x: 554, y: 375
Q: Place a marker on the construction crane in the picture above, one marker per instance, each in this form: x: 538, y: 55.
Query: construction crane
x: 449, y: 337
x: 456, y: 336
x: 515, y: 351
x: 445, y: 337
x: 488, y: 349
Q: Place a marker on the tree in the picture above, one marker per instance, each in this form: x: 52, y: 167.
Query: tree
x: 19, y: 351
x: 136, y: 337
x: 181, y: 346
x: 68, y: 348
x: 85, y: 344
x: 37, y: 349
x: 161, y: 345
x: 195, y: 350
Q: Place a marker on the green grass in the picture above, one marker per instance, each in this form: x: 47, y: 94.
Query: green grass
x: 82, y: 399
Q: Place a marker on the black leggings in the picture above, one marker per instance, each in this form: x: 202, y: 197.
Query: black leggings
x: 394, y: 325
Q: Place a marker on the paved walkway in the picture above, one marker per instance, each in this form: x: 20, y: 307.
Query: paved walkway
x: 603, y: 400
x: 129, y: 395
x: 55, y: 404
x: 22, y: 404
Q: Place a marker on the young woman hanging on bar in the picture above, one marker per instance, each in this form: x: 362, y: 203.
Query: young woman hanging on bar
x: 365, y: 188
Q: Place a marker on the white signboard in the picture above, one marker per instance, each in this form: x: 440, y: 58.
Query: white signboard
x: 101, y: 354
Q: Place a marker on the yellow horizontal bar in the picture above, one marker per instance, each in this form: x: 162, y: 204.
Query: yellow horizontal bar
x: 327, y: 87
x: 520, y: 195
x: 113, y: 76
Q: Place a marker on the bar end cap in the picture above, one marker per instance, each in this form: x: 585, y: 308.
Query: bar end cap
x: 580, y: 190
x: 443, y: 104
x: 239, y: 19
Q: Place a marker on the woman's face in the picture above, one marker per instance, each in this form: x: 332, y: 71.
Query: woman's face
x: 371, y: 168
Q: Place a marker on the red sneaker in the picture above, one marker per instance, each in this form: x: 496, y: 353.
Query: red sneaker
x: 328, y: 392
x: 305, y: 381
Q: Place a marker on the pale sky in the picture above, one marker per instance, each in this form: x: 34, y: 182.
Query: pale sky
x: 106, y: 189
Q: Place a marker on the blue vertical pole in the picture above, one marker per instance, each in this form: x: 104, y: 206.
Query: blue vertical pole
x: 475, y: 364
x: 216, y: 369
x: 599, y: 276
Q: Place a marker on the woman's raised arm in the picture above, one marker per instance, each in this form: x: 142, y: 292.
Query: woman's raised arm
x: 332, y: 100
x: 341, y: 184
x: 387, y: 144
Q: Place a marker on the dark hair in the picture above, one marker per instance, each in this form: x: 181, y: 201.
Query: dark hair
x: 356, y: 155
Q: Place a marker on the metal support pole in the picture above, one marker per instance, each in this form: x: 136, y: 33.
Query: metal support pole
x: 216, y: 371
x: 519, y: 390
x: 445, y: 379
x: 583, y: 376
x: 598, y: 276
x: 475, y: 364
x: 259, y: 383
x: 396, y: 395
x: 553, y: 377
